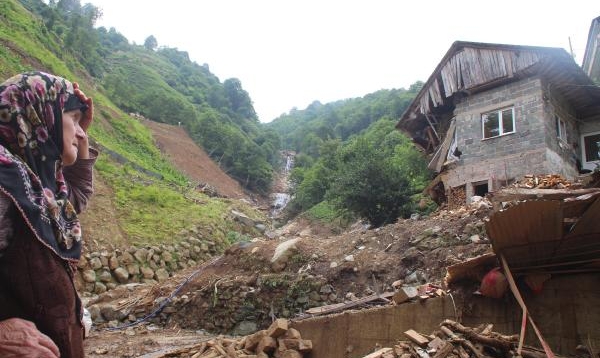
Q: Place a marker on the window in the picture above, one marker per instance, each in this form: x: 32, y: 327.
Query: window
x: 561, y: 129
x: 591, y: 150
x: 497, y: 123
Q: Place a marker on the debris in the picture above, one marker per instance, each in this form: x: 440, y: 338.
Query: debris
x: 260, y: 344
x: 454, y: 337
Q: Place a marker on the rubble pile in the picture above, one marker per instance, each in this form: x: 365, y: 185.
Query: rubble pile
x: 452, y: 339
x: 278, y: 340
x: 549, y: 181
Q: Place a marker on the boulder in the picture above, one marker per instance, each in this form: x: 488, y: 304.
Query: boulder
x: 161, y: 275
x: 121, y: 275
x: 89, y: 276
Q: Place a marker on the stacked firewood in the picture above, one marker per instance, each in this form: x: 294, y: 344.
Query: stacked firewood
x: 456, y: 197
x: 550, y: 181
x: 457, y: 341
x: 277, y: 341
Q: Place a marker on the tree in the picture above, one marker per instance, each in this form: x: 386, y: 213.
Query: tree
x: 150, y: 43
x: 369, y: 185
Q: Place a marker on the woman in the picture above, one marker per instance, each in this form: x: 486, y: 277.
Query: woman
x: 45, y: 180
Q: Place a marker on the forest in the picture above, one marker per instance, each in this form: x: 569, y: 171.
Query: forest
x: 351, y: 162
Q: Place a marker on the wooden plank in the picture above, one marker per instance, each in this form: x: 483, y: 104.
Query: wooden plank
x: 416, y: 337
x: 445, y: 146
x: 345, y: 305
x: 588, y: 223
x: 511, y: 194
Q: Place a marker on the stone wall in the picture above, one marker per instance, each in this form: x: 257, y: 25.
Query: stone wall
x: 103, y: 270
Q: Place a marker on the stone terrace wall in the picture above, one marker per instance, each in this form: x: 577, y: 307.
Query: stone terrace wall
x: 103, y: 270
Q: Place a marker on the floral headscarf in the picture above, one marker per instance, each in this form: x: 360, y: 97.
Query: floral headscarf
x: 31, y: 143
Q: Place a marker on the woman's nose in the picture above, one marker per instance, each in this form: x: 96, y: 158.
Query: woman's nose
x: 79, y: 131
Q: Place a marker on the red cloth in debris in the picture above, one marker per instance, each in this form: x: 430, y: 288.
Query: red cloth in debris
x: 494, y: 284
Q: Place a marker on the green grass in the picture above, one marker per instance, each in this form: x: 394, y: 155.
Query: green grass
x: 326, y: 213
x: 152, y: 211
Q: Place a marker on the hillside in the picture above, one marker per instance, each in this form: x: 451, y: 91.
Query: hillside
x: 192, y: 160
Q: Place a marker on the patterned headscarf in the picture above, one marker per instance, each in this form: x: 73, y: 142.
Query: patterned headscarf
x: 31, y: 143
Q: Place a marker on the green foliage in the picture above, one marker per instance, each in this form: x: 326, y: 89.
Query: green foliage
x: 151, y: 210
x: 374, y: 173
x: 163, y: 85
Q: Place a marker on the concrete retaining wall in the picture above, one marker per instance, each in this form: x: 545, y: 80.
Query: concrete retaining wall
x: 567, y: 313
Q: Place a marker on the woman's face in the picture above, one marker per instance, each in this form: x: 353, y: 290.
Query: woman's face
x: 72, y: 132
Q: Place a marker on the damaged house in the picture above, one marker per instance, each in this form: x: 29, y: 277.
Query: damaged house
x: 491, y: 113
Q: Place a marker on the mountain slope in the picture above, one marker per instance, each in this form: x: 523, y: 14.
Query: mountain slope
x: 192, y: 160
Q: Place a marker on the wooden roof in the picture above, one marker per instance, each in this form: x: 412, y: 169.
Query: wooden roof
x: 471, y: 67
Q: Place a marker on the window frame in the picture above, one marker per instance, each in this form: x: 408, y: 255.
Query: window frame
x: 584, y: 163
x: 561, y: 128
x: 500, y: 122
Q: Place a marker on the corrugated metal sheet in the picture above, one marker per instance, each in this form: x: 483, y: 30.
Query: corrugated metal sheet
x: 533, y: 235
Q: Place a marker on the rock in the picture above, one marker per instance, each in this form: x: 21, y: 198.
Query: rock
x: 89, y: 276
x: 105, y: 276
x: 99, y: 288
x: 95, y: 313
x: 333, y: 264
x: 302, y: 300
x: 95, y: 263
x: 475, y: 239
x: 167, y: 256
x: 349, y: 258
x: 261, y: 228
x: 110, y: 313
x: 113, y: 262
x: 141, y: 255
x: 244, y: 328
x: 133, y: 269
x: 161, y: 275
x: 242, y: 218
x: 203, y: 247
x: 282, y: 254
x: 121, y: 275
x: 147, y: 272
x: 415, y: 216
x: 126, y: 258
x: 326, y: 289
x: 314, y: 296
x: 83, y: 262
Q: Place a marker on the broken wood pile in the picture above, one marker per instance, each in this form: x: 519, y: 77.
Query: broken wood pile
x: 550, y: 181
x: 457, y: 197
x: 457, y: 341
x: 278, y: 340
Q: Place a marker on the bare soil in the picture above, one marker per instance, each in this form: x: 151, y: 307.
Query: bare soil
x: 192, y: 160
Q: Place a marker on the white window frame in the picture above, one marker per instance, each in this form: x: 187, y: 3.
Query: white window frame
x: 561, y: 125
x: 585, y: 164
x: 500, y: 122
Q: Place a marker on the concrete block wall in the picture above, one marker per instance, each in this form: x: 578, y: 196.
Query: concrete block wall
x: 532, y: 149
x: 525, y: 97
x: 561, y: 155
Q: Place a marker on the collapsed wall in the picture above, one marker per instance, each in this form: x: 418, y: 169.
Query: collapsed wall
x: 566, y: 312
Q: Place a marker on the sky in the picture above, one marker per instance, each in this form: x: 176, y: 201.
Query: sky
x: 289, y: 53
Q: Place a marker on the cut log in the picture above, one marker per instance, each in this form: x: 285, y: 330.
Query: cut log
x: 253, y: 339
x: 301, y: 345
x: 267, y: 344
x: 278, y: 328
